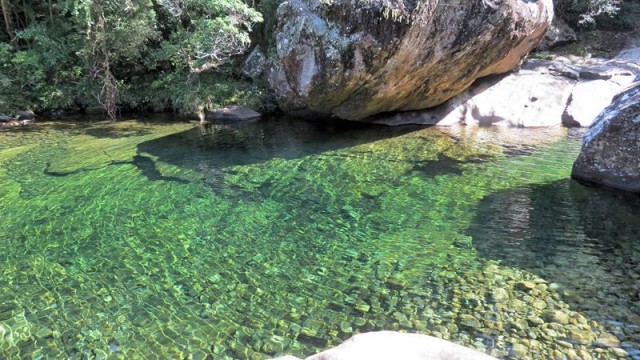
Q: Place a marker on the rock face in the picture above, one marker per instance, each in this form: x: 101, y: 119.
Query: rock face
x: 354, y: 59
x: 559, y: 34
x: 564, y: 91
x: 609, y: 155
x: 384, y: 345
x: 255, y: 64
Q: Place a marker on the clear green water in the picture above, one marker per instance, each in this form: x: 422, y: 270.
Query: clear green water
x: 165, y: 240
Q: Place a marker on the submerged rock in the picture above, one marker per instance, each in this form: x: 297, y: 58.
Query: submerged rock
x: 607, y: 340
x: 233, y: 113
x: 357, y: 59
x: 609, y: 155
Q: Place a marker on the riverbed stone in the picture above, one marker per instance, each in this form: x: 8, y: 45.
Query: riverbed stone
x: 557, y: 316
x: 469, y: 321
x: 538, y: 304
x: 607, y: 340
x: 275, y: 344
x: 357, y: 59
x: 621, y: 353
x: 526, y: 286
x: 362, y: 307
x: 500, y: 295
x: 535, y: 320
x: 519, y: 351
x: 609, y: 155
x: 520, y: 324
x: 582, y: 337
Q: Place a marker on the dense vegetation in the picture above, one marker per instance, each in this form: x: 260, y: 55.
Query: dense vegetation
x: 154, y: 54
x: 141, y: 54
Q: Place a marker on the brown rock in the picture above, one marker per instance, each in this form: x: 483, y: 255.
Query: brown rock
x: 356, y: 59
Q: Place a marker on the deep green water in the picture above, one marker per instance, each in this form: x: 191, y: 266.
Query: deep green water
x: 167, y: 240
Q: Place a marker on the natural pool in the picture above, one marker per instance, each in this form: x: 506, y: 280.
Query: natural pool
x: 149, y: 239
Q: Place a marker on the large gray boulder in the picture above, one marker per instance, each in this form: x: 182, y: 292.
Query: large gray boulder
x: 386, y: 345
x: 609, y: 155
x: 354, y: 59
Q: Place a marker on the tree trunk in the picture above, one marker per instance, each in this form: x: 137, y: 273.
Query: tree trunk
x: 8, y: 20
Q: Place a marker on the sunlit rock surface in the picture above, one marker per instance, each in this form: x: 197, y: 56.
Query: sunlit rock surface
x: 569, y: 91
x: 355, y: 59
x: 383, y: 345
x: 609, y: 155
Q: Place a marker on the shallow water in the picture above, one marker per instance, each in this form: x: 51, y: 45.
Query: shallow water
x: 167, y: 240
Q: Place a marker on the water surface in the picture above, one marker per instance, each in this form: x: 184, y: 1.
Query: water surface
x: 145, y: 239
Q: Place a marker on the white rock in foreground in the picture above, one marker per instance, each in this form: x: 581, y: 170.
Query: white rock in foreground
x: 387, y: 345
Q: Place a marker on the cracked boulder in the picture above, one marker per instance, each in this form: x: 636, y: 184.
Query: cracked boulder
x: 354, y: 59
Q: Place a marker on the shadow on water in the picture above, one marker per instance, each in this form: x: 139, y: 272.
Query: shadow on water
x: 214, y: 149
x: 584, y: 239
x: 224, y: 145
x: 144, y: 164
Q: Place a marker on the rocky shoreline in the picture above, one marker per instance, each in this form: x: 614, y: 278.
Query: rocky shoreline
x: 565, y: 91
x: 21, y: 118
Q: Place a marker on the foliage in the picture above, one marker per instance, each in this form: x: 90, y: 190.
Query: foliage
x: 584, y: 13
x: 263, y: 34
x: 625, y: 19
x: 134, y: 54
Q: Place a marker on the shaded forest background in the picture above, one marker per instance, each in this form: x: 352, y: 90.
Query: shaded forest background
x: 164, y: 55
